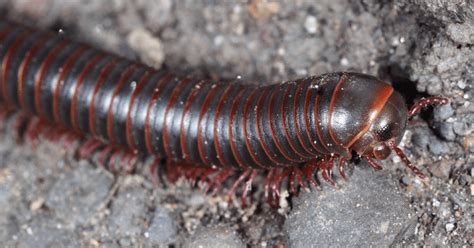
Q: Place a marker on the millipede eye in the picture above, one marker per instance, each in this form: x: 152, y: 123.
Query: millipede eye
x: 381, y: 151
x: 386, y: 132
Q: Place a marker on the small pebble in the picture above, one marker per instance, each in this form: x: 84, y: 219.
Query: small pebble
x: 444, y: 111
x: 163, y: 228
x: 461, y: 33
x: 340, y: 217
x: 148, y: 46
x: 37, y: 204
x: 449, y: 227
x: 441, y: 169
x: 461, y: 128
x: 344, y: 62
x: 215, y: 236
x: 446, y: 130
x: 445, y: 210
x: 311, y: 24
x: 94, y: 243
x: 406, y: 180
x: 125, y: 242
x: 437, y: 148
x: 462, y: 85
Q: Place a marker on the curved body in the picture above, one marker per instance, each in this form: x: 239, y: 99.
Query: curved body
x: 185, y: 119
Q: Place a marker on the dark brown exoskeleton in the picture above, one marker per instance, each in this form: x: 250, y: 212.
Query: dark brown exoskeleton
x: 124, y: 108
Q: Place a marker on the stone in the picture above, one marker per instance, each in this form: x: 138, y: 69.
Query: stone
x: 78, y: 194
x: 163, y: 229
x: 215, y: 237
x: 369, y: 210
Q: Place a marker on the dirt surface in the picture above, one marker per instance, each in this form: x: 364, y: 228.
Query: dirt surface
x: 424, y: 47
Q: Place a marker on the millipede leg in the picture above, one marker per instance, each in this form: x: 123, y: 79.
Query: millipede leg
x: 4, y: 114
x: 194, y: 175
x: 327, y: 177
x: 309, y: 171
x: 172, y: 171
x: 292, y: 182
x: 248, y: 187
x: 405, y: 160
x: 191, y: 172
x: 237, y: 182
x: 202, y: 173
x: 373, y: 164
x: 31, y: 132
x: 272, y: 186
x: 71, y: 138
x: 121, y: 161
x: 128, y: 162
x: 50, y: 133
x: 425, y: 102
x: 154, y: 170
x: 301, y: 182
x: 53, y: 134
x: 88, y: 148
x: 296, y: 180
x: 105, y: 154
x: 18, y: 127
x: 217, y: 181
x: 326, y: 171
x: 267, y: 185
x: 341, y: 166
x: 114, y: 160
x: 277, y: 182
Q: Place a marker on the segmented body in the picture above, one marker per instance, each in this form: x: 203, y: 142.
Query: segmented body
x: 199, y: 121
x: 205, y: 130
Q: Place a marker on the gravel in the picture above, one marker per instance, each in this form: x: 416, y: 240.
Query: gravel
x: 423, y: 47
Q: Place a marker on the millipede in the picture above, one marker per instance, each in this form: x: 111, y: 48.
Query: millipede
x: 206, y: 130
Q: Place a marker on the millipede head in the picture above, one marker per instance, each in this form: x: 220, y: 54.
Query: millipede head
x: 367, y: 116
x: 385, y: 125
x: 387, y: 130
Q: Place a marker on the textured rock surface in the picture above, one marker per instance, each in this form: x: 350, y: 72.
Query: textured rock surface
x: 371, y: 211
x: 78, y: 194
x: 163, y: 229
x: 215, y: 237
x: 423, y: 47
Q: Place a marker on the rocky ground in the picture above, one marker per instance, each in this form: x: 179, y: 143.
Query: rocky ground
x: 48, y: 199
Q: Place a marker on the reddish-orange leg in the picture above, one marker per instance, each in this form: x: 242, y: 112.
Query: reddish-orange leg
x: 373, y: 164
x: 248, y: 187
x: 405, y: 160
x: 342, y: 164
x: 425, y: 102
